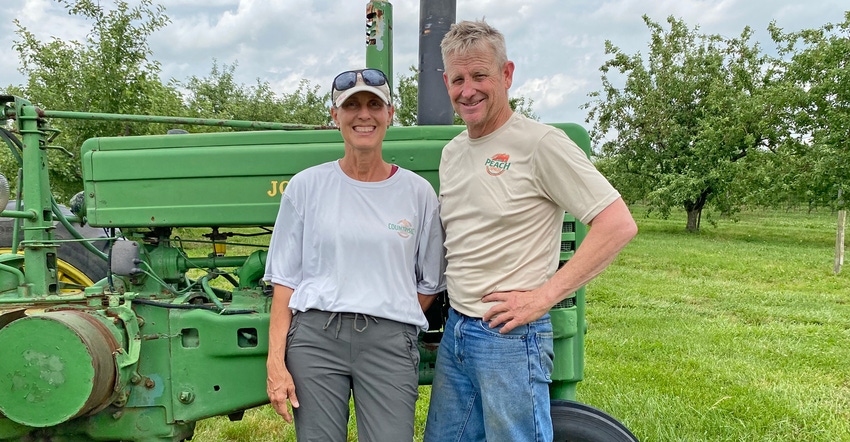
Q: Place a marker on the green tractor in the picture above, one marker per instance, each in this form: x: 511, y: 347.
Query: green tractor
x: 126, y: 318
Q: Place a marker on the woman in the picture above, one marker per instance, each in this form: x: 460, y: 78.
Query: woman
x: 355, y: 258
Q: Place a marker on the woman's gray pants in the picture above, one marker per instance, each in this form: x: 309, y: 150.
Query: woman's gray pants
x: 334, y: 355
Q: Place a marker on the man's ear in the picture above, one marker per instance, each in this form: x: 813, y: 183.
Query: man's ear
x: 508, y: 72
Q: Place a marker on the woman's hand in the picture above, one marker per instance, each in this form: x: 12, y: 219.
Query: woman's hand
x: 281, y: 388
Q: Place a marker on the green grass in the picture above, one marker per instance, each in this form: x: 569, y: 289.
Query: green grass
x: 738, y: 333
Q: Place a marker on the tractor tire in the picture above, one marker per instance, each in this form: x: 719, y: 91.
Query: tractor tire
x: 576, y: 422
x: 76, y: 265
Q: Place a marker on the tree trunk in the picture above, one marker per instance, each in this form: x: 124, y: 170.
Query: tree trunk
x: 694, y: 210
x: 694, y: 216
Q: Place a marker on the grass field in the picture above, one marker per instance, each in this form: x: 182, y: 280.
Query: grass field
x: 738, y: 333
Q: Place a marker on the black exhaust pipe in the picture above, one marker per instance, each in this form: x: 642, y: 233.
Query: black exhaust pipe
x: 434, y: 106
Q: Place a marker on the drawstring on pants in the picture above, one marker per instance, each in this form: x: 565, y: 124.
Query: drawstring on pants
x: 338, y: 317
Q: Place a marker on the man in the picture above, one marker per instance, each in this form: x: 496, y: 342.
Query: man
x: 504, y: 185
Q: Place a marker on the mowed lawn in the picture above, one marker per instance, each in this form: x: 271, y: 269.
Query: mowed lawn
x: 738, y: 333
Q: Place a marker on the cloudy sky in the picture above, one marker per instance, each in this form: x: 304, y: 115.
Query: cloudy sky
x: 557, y: 45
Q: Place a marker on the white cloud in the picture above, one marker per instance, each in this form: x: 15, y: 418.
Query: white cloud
x: 553, y: 94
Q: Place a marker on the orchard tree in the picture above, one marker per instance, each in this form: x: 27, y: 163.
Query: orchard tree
x: 676, y: 131
x: 216, y: 95
x: 814, y: 170
x: 108, y: 72
x: 219, y: 96
x: 307, y: 105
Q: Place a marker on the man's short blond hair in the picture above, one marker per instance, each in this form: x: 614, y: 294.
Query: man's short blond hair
x: 470, y: 35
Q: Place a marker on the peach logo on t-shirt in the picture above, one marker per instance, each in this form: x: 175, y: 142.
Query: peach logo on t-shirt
x: 404, y: 228
x: 497, y: 164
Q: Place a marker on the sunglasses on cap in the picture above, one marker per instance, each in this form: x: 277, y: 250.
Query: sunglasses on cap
x: 347, y: 79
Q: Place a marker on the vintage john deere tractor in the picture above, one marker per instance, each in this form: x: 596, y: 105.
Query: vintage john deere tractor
x: 156, y: 344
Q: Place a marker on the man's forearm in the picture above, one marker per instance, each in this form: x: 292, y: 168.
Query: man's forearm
x: 609, y: 233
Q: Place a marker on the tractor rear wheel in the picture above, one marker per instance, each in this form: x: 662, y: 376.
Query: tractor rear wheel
x: 576, y: 422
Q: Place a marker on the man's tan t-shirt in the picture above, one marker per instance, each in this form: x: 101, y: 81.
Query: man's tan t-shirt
x: 502, y: 199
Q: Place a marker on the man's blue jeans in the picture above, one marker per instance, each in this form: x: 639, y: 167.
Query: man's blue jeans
x: 491, y: 386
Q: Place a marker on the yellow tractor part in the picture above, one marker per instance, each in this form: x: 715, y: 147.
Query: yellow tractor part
x: 70, y: 277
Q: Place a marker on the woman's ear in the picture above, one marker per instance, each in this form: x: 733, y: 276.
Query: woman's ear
x: 333, y: 115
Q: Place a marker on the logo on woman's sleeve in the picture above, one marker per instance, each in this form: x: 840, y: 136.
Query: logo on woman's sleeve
x: 497, y: 164
x: 404, y: 228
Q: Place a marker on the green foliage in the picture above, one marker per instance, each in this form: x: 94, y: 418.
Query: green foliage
x: 673, y: 135
x: 218, y: 95
x: 708, y: 121
x: 817, y: 74
x: 306, y: 105
x: 108, y: 72
x: 523, y: 106
x: 406, y: 98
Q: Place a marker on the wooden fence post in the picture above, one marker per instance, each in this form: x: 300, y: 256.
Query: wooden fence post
x: 839, y: 242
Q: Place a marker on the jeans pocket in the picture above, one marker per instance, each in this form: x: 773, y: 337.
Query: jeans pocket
x: 495, y: 332
x: 545, y: 348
